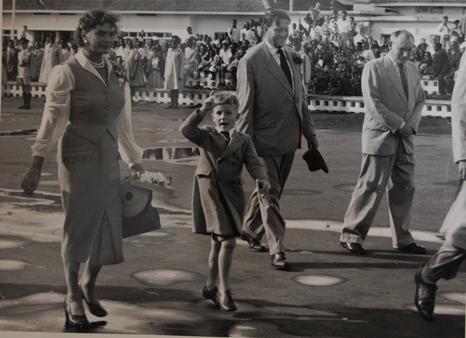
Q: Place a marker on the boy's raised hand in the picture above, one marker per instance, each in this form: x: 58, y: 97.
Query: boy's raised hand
x: 208, y: 104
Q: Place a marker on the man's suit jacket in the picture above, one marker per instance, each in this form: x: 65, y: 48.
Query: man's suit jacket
x: 440, y: 64
x: 458, y: 113
x: 455, y: 222
x: 271, y: 112
x: 387, y: 107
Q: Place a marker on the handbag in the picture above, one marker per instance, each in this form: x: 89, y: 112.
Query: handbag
x: 139, y: 216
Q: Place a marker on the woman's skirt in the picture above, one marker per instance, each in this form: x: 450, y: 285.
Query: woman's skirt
x: 89, y: 177
x: 155, y: 81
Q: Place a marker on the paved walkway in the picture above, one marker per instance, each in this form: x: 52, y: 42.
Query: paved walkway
x: 157, y: 289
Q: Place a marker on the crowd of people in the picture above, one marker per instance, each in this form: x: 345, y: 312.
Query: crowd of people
x: 333, y: 48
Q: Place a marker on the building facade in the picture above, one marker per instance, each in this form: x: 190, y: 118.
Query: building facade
x: 166, y: 17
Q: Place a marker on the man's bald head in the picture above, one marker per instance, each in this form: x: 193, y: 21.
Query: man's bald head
x: 402, y: 38
x: 402, y: 44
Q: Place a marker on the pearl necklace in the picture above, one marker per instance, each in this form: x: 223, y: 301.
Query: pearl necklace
x: 97, y: 65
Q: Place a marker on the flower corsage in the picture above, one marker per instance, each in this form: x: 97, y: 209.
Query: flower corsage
x: 297, y: 59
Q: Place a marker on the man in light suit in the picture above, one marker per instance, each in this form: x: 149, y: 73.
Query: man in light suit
x: 274, y: 112
x: 446, y: 262
x: 393, y: 98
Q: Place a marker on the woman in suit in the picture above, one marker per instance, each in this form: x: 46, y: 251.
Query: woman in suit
x: 88, y: 112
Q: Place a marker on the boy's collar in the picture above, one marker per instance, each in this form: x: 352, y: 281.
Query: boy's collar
x: 230, y: 131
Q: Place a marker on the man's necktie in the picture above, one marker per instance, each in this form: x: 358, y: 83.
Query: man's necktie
x: 226, y: 135
x: 404, y: 82
x: 284, y: 65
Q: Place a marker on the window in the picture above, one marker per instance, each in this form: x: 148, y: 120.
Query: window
x: 422, y: 9
x: 427, y: 9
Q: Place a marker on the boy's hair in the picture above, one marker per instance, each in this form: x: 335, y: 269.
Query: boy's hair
x: 225, y: 98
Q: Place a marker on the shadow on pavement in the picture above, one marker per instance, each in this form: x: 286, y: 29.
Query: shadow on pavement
x: 258, y: 318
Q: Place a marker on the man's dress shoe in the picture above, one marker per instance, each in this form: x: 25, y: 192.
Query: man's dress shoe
x: 354, y: 248
x: 424, y: 298
x: 413, y: 248
x: 254, y: 244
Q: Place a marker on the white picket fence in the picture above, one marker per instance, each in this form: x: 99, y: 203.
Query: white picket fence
x: 191, y: 97
x: 204, y: 81
x: 188, y: 97
x: 355, y: 104
x: 430, y: 86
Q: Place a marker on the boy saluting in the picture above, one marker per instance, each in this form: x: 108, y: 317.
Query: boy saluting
x: 218, y: 196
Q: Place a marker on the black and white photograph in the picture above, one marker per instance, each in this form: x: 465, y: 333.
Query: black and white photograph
x: 233, y: 168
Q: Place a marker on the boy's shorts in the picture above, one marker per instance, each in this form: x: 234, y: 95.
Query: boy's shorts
x: 221, y: 238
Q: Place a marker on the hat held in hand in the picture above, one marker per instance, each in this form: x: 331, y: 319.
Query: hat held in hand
x: 314, y: 160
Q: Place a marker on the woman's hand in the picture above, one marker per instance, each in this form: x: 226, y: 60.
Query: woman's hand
x: 32, y: 177
x: 462, y: 170
x: 31, y: 181
x: 138, y: 169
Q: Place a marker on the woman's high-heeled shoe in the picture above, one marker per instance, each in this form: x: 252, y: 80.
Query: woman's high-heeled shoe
x: 75, y: 322
x: 95, y: 308
x: 226, y: 301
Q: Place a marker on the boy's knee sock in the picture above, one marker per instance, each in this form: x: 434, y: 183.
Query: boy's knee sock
x: 225, y: 261
x: 212, y: 274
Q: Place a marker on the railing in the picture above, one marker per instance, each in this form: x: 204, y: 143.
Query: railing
x: 430, y: 86
x: 355, y: 104
x: 204, y: 81
x: 192, y: 97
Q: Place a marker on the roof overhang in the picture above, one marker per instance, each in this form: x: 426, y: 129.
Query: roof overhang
x: 42, y: 11
x: 420, y: 3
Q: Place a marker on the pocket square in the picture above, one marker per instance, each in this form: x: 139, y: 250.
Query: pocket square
x: 315, y: 161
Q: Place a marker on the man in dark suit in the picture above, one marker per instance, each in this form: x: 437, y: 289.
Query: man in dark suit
x: 274, y: 112
x: 440, y: 66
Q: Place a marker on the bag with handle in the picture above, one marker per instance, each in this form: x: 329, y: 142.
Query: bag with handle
x: 139, y: 216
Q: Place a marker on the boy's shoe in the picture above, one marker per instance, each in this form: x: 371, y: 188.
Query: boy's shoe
x: 211, y: 294
x: 279, y: 262
x: 226, y: 301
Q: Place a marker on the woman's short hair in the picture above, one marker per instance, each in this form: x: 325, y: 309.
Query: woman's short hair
x: 221, y: 98
x: 274, y: 15
x: 91, y: 20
